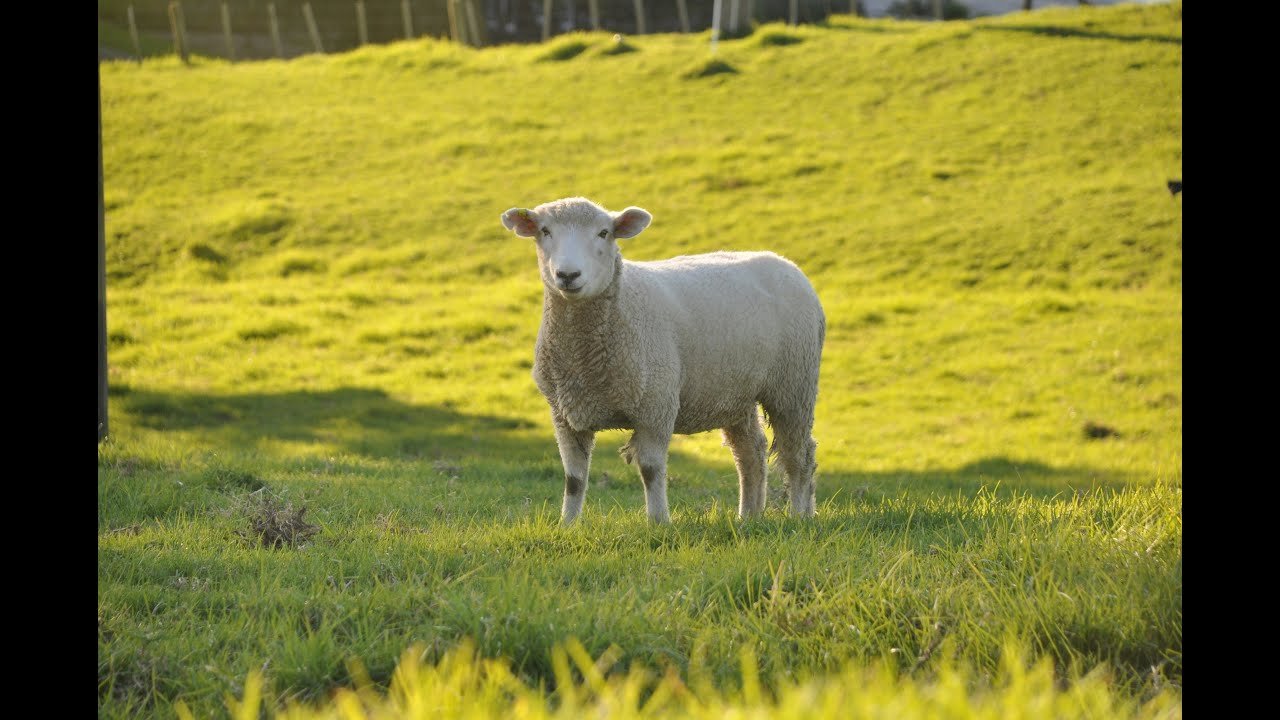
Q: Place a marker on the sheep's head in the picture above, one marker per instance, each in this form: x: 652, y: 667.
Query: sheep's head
x: 577, y: 242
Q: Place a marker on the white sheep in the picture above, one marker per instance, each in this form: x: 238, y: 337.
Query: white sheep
x: 683, y: 345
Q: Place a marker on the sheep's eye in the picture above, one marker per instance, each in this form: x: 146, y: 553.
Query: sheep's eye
x: 546, y: 231
x: 604, y: 233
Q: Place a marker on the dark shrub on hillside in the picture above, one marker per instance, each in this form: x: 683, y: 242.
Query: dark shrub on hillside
x: 923, y: 10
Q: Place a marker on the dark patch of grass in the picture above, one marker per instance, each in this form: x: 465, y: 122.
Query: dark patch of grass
x: 619, y: 46
x: 563, y: 50
x: 1057, y: 306
x: 258, y: 220
x: 274, y: 522
x: 270, y: 331
x: 224, y: 479
x: 301, y: 264
x: 119, y: 337
x: 872, y: 318
x: 1097, y: 431
x: 864, y: 26
x: 709, y: 68
x: 778, y: 38
x: 721, y: 183
x: 203, y: 251
x: 1070, y: 32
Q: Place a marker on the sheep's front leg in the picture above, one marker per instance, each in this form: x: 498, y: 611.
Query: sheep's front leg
x: 575, y: 453
x: 648, y: 450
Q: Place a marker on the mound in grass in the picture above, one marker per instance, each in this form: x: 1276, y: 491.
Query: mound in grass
x: 778, y: 37
x: 561, y: 50
x: 618, y: 46
x: 462, y: 685
x: 709, y: 68
x: 206, y: 252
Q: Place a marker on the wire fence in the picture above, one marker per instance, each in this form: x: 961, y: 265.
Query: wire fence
x: 256, y: 29
x: 251, y: 29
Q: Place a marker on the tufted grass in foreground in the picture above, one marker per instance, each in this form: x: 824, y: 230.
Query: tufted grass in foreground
x: 464, y: 685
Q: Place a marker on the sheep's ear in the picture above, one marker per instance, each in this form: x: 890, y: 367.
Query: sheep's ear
x: 520, y: 221
x: 630, y: 222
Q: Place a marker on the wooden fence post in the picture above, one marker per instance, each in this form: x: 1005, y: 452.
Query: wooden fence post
x: 275, y: 29
x: 226, y: 32
x: 133, y: 35
x: 177, y: 26
x: 937, y: 9
x: 406, y: 14
x: 362, y: 23
x: 182, y: 30
x: 472, y: 25
x: 640, y: 25
x: 733, y: 18
x: 715, y: 25
x: 453, y: 21
x: 795, y: 13
x: 460, y: 17
x: 593, y: 6
x: 546, y: 20
x: 102, y: 287
x: 311, y: 27
x: 683, y: 9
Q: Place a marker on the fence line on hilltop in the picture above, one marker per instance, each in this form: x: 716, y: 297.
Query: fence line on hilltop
x: 258, y: 29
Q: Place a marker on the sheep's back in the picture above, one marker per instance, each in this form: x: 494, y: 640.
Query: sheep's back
x: 739, y: 320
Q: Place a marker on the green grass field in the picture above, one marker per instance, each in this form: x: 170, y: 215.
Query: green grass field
x: 312, y: 304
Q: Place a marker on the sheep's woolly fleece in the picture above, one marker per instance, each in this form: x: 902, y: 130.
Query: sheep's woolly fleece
x: 683, y: 345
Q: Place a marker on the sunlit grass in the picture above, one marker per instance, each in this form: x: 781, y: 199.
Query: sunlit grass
x: 310, y: 298
x: 463, y: 685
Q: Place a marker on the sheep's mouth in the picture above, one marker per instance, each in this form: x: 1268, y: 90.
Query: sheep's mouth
x: 571, y: 290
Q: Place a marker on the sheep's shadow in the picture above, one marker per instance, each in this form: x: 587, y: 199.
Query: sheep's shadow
x: 999, y: 474
x: 697, y: 488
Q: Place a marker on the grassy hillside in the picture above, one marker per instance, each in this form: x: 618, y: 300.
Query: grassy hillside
x: 312, y: 302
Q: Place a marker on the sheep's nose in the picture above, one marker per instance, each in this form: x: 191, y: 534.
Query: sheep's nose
x: 568, y: 276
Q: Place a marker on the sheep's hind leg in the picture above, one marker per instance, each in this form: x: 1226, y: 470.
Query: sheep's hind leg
x: 796, y: 449
x: 575, y: 453
x: 750, y: 450
x: 797, y: 455
x: 649, y: 451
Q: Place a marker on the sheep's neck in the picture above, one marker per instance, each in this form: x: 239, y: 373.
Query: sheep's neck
x: 581, y: 325
x: 578, y: 330
x: 579, y: 344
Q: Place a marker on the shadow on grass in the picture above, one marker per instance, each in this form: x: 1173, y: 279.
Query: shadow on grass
x: 360, y: 421
x: 1059, y: 31
x: 1001, y: 475
x: 365, y: 422
x: 880, y: 29
x: 697, y: 487
x: 370, y: 423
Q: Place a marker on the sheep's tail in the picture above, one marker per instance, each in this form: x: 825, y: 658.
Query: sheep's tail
x: 628, y: 450
x: 772, y: 457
